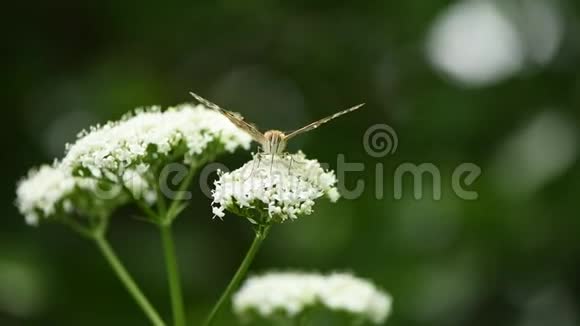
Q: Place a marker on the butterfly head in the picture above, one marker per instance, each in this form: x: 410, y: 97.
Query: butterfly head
x: 274, y: 142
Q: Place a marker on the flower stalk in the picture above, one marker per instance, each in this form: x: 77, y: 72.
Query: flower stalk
x: 173, y: 276
x: 96, y: 232
x: 164, y: 222
x: 261, y: 233
x: 123, y: 275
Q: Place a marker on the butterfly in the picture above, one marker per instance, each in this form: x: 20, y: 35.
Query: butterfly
x: 272, y: 141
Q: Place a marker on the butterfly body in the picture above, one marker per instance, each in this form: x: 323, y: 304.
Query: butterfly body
x: 272, y: 141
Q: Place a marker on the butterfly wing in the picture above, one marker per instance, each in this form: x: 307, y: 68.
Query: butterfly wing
x: 320, y: 122
x: 235, y: 118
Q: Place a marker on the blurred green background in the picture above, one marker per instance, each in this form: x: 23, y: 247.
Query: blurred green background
x: 494, y: 84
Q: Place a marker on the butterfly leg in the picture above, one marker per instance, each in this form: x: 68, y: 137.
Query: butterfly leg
x: 290, y: 166
x: 257, y: 157
x: 259, y: 160
x: 271, y: 163
x: 249, y: 175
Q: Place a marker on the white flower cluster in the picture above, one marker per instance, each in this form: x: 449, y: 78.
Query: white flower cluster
x: 120, y: 155
x: 47, y: 189
x: 290, y: 293
x: 118, y: 145
x: 41, y: 191
x: 273, y: 188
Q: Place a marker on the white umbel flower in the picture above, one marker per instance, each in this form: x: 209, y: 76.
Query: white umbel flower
x: 291, y: 293
x: 40, y: 192
x: 273, y: 188
x: 150, y: 135
x: 118, y: 162
x: 51, y: 190
x: 356, y: 296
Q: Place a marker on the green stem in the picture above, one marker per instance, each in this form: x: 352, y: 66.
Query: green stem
x: 261, y: 234
x: 128, y: 281
x: 172, y: 212
x: 164, y: 219
x: 173, y: 276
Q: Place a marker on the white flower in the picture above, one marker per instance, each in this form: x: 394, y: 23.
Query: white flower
x: 109, y: 162
x: 151, y: 135
x: 274, y: 188
x: 134, y: 180
x: 291, y: 293
x: 47, y: 191
x: 356, y: 296
x: 41, y: 191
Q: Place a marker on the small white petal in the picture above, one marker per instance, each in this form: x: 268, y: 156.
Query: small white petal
x: 218, y: 211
